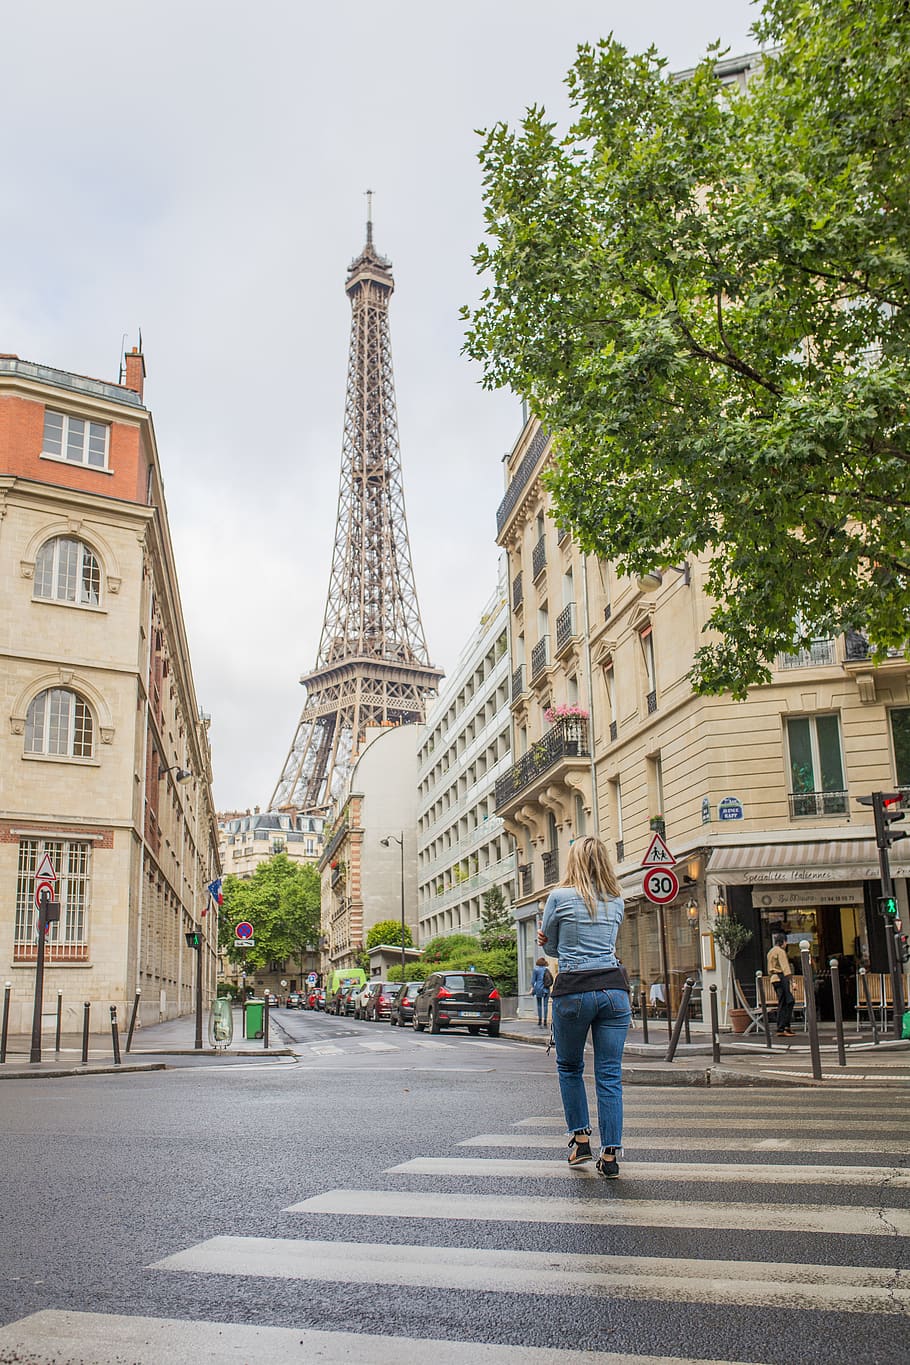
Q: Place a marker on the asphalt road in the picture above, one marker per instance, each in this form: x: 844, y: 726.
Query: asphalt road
x: 749, y: 1226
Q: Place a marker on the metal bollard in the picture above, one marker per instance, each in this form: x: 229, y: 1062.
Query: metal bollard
x: 715, y: 1026
x: 686, y: 1026
x: 86, y: 1012
x: 644, y: 1017
x: 265, y: 1022
x: 115, y: 1038
x: 869, y: 1010
x: 129, y: 1036
x: 838, y: 1010
x: 4, y: 1028
x: 760, y: 996
x: 59, y: 1021
x: 811, y: 1016
x: 681, y: 1015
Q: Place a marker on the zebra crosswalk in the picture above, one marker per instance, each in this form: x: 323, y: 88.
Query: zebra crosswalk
x: 686, y: 1250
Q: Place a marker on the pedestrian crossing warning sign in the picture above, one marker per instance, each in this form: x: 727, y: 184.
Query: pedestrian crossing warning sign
x: 658, y: 855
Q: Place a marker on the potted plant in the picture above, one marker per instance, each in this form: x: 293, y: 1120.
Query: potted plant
x: 731, y: 936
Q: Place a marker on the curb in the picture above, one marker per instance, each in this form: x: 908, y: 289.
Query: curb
x: 57, y: 1073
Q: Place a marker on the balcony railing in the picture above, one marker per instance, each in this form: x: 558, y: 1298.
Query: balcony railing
x: 817, y: 803
x: 652, y: 703
x: 568, y: 738
x: 614, y: 730
x: 518, y: 682
x: 522, y: 478
x: 551, y: 867
x: 540, y: 656
x: 857, y: 648
x: 539, y: 557
x: 526, y: 872
x: 819, y: 652
x: 562, y: 534
x: 335, y: 840
x: 620, y: 850
x: 565, y: 626
x: 517, y: 591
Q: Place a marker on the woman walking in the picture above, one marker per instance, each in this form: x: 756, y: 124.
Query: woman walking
x: 590, y: 995
x: 541, y: 981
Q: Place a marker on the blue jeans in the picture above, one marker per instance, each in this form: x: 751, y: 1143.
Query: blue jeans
x: 607, y: 1015
x: 542, y: 1001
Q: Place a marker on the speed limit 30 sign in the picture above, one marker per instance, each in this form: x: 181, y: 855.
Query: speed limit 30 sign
x: 661, y: 885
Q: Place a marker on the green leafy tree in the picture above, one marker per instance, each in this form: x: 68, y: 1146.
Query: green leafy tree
x: 497, y: 928
x: 389, y: 931
x: 282, y: 902
x: 706, y: 300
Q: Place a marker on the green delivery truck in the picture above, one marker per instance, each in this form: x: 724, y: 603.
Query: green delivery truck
x: 337, y: 981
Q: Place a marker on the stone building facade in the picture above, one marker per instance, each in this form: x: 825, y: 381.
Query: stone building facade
x: 105, y: 762
x: 756, y: 799
x: 463, y: 847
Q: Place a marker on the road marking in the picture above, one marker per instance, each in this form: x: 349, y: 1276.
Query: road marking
x: 637, y: 1122
x: 709, y: 1173
x: 850, y: 1289
x: 56, y: 1337
x: 328, y: 1051
x: 655, y: 1213
x: 429, y: 1042
x: 374, y: 1045
x: 701, y: 1142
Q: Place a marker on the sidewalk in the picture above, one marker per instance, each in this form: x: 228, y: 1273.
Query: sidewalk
x: 151, y: 1048
x: 747, y: 1061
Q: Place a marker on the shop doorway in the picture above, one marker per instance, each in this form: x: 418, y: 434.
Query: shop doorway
x: 832, y: 931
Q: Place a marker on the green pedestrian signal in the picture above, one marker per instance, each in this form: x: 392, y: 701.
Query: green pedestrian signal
x: 887, y: 906
x: 193, y: 939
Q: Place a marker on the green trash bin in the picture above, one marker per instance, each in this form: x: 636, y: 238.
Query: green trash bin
x: 253, y: 1022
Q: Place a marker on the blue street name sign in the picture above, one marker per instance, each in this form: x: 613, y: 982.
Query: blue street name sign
x: 730, y: 808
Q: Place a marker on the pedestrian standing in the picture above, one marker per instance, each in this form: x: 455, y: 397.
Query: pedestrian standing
x: 590, y: 996
x: 541, y: 981
x: 780, y: 971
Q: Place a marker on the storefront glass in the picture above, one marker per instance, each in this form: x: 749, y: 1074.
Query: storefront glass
x: 641, y: 951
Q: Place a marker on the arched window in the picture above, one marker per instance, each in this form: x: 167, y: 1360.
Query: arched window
x: 66, y: 570
x: 59, y: 721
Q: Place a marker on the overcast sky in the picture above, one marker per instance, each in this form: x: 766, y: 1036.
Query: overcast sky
x: 198, y: 170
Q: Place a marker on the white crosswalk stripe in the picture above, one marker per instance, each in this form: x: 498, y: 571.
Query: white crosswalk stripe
x: 658, y: 1141
x: 729, y: 1122
x: 653, y: 1171
x: 61, y: 1338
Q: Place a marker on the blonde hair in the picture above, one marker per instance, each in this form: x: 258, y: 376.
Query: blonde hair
x: 590, y: 872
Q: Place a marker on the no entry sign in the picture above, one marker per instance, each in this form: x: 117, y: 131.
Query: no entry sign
x: 661, y: 885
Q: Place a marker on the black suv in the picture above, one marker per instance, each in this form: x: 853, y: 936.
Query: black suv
x: 458, y: 1000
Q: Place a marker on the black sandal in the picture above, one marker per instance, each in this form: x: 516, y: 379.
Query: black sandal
x: 580, y: 1149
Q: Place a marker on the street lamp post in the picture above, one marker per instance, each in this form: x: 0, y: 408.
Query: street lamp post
x: 400, y: 842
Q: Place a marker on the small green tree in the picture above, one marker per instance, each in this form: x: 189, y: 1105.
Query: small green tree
x: 388, y: 931
x: 282, y: 902
x: 731, y: 936
x: 497, y: 927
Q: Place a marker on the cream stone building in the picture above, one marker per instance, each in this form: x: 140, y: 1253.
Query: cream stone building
x: 364, y: 879
x: 248, y: 838
x: 756, y: 799
x: 463, y: 848
x: 105, y: 762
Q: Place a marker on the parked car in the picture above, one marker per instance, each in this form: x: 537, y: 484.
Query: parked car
x: 294, y: 1001
x: 458, y: 1000
x: 376, y: 1000
x: 363, y: 994
x: 273, y: 1001
x: 402, y: 1011
x: 351, y: 998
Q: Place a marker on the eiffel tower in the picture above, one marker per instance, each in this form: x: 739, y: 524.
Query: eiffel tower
x: 372, y: 667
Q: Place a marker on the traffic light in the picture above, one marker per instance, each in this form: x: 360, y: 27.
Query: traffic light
x: 193, y: 939
x: 902, y: 945
x: 887, y: 808
x: 887, y: 906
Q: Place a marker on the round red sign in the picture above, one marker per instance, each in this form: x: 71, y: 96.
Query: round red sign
x: 661, y: 885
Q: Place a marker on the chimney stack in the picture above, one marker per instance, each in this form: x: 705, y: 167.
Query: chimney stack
x: 135, y: 371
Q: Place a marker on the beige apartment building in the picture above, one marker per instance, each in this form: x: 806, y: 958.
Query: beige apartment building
x: 756, y: 799
x: 369, y: 859
x: 104, y: 753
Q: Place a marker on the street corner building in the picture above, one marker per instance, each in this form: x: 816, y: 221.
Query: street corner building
x: 105, y: 764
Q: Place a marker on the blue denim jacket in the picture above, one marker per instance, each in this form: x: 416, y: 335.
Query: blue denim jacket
x: 574, y: 937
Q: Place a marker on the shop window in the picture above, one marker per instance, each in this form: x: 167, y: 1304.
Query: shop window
x: 816, y: 766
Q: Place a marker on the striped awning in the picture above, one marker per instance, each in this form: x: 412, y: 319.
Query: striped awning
x: 853, y: 858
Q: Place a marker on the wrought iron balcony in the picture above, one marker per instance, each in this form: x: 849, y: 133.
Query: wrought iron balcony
x: 819, y: 652
x: 857, y: 648
x: 620, y: 850
x: 539, y: 557
x: 614, y: 730
x: 526, y: 873
x: 562, y: 534
x: 565, y: 626
x: 540, y: 656
x: 652, y: 703
x: 517, y: 591
x: 551, y: 867
x: 522, y: 478
x: 817, y: 803
x: 518, y: 682
x: 335, y: 840
x: 568, y: 738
